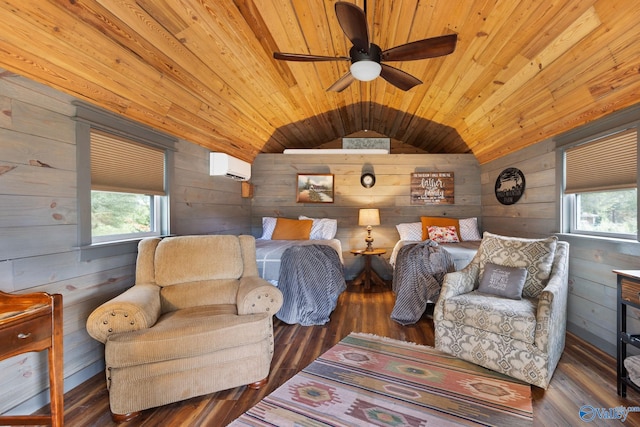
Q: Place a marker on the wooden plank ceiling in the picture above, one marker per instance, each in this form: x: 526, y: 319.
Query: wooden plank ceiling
x: 203, y: 70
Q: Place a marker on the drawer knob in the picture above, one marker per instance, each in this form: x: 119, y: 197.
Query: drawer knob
x: 23, y: 336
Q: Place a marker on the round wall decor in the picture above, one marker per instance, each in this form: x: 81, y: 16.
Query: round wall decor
x: 510, y: 186
x: 368, y: 180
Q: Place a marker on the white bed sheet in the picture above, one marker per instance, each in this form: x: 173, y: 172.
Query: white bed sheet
x: 462, y: 252
x: 269, y: 254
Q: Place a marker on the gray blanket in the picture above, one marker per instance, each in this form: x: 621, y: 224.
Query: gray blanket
x: 417, y: 278
x: 311, y: 279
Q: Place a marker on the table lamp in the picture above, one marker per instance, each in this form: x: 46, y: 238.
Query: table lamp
x: 369, y: 217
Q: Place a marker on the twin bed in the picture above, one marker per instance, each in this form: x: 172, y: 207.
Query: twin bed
x: 304, y: 260
x: 426, y: 251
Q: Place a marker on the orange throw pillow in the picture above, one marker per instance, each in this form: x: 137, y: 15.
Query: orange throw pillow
x: 292, y: 229
x: 438, y: 222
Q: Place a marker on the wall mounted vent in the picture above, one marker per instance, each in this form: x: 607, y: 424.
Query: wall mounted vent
x: 323, y: 151
x: 222, y: 164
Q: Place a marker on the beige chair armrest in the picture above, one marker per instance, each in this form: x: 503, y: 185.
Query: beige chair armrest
x: 256, y: 295
x: 136, y: 308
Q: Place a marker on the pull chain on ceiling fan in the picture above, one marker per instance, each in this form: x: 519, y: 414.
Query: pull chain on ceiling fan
x: 368, y: 59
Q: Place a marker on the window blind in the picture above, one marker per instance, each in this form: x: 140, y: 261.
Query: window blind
x: 609, y: 163
x: 121, y: 165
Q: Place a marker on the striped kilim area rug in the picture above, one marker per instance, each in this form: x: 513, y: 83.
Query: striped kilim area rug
x: 367, y: 380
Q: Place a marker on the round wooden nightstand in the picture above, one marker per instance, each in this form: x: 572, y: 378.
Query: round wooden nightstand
x: 367, y: 275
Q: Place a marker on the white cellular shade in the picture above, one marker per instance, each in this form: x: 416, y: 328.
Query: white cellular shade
x: 609, y: 163
x: 121, y: 165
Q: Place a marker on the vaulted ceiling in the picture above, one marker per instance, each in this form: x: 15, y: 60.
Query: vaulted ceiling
x: 203, y: 70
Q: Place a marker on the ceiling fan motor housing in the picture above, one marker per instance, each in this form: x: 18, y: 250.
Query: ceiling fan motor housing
x: 374, y: 54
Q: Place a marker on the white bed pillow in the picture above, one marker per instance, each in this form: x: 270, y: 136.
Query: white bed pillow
x: 268, y: 225
x: 322, y: 228
x: 469, y: 229
x: 410, y: 231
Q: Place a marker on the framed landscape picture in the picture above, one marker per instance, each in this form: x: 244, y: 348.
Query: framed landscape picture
x: 314, y: 188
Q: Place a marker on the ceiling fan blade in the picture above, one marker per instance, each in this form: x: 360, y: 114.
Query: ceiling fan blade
x: 354, y: 24
x: 398, y: 78
x: 342, y: 83
x: 302, y: 57
x: 422, y: 49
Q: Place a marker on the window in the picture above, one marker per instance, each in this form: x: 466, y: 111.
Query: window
x: 127, y: 185
x: 601, y: 186
x: 611, y: 213
x: 121, y: 182
x: 122, y: 214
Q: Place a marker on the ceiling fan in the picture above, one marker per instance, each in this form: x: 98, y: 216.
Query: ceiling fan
x: 367, y: 59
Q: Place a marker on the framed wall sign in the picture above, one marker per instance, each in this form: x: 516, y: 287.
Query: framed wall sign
x: 314, y: 188
x: 379, y: 143
x: 432, y: 188
x: 509, y: 186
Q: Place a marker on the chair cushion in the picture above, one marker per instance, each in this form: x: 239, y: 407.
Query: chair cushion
x: 536, y: 255
x: 192, y: 258
x: 187, y: 333
x: 514, y: 319
x: 204, y: 292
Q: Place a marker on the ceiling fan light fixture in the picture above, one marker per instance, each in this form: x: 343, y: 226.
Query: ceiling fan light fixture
x: 365, y: 70
x: 367, y: 58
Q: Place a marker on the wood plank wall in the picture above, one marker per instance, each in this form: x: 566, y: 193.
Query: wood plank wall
x: 274, y: 179
x: 38, y: 229
x: 203, y: 204
x: 592, y: 285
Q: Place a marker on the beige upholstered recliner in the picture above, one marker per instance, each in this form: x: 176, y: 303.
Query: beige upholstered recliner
x: 197, y: 320
x: 523, y: 338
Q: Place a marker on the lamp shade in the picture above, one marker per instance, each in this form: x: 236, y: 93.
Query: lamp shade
x: 365, y: 70
x: 369, y: 217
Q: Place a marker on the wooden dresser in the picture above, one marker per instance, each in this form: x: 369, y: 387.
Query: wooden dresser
x: 33, y: 322
x: 628, y: 296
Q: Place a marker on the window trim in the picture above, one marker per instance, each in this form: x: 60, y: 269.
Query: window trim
x: 88, y: 117
x: 614, y: 122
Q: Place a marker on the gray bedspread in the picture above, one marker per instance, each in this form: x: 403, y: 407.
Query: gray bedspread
x: 311, y: 279
x: 417, y: 278
x: 269, y: 254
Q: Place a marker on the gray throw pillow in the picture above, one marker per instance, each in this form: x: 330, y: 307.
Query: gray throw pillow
x: 536, y: 255
x: 503, y: 281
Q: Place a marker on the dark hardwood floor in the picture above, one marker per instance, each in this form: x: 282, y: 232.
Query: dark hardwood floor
x: 585, y: 375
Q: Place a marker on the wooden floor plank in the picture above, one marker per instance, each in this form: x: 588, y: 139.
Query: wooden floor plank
x: 585, y: 375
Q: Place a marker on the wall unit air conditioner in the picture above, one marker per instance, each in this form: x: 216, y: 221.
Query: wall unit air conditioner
x: 221, y: 164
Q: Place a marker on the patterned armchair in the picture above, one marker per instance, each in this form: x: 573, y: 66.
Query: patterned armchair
x: 481, y: 316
